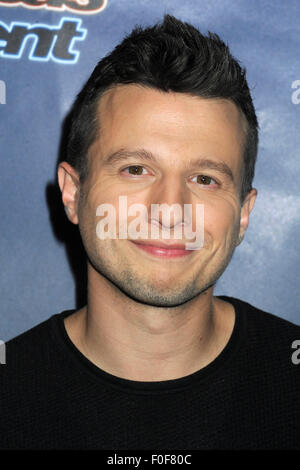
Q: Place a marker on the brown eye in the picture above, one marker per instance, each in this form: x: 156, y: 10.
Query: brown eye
x: 135, y: 170
x: 203, y: 179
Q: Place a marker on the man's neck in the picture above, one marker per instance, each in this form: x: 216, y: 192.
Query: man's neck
x: 140, y: 342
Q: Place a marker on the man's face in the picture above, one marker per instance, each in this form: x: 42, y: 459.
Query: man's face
x: 176, y: 130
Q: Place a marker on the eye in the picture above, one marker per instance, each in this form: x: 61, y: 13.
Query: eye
x: 135, y: 170
x: 205, y: 180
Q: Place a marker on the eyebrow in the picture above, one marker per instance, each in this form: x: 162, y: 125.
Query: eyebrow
x: 142, y: 154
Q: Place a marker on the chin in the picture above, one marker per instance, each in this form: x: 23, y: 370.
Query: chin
x: 159, y: 296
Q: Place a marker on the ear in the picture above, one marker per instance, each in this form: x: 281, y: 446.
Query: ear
x: 68, y: 180
x: 247, y: 207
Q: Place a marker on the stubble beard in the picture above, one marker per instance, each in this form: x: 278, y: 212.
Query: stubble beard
x: 146, y: 290
x: 127, y: 281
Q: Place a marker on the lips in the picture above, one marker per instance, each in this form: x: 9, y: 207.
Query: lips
x: 160, y: 249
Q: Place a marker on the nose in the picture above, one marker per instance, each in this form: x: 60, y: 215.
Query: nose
x: 167, y: 203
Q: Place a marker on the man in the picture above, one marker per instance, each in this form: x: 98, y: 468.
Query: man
x: 155, y: 360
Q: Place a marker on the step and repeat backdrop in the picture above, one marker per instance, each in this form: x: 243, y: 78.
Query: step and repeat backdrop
x: 48, y: 48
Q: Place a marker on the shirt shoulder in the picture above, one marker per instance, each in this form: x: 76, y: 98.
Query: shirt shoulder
x: 267, y: 338
x: 257, y: 316
x: 33, y: 346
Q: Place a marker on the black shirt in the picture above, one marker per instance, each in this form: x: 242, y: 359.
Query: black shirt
x: 53, y: 397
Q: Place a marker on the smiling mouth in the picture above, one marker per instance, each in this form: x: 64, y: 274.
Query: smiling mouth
x: 162, y: 250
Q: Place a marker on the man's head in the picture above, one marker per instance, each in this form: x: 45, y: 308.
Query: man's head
x: 175, y: 106
x: 172, y: 56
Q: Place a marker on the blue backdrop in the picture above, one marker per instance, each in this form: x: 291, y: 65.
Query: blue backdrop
x: 47, y: 51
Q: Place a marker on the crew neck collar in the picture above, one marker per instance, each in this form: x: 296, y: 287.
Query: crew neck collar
x: 105, y: 378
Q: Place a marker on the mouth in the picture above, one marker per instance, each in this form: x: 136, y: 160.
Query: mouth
x: 162, y: 250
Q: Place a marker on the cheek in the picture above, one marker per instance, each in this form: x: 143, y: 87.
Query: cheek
x: 89, y: 200
x: 86, y: 220
x: 221, y: 219
x: 96, y: 195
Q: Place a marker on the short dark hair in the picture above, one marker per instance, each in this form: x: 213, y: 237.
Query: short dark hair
x: 169, y: 56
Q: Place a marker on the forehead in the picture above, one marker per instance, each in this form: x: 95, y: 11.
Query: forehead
x: 133, y: 116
